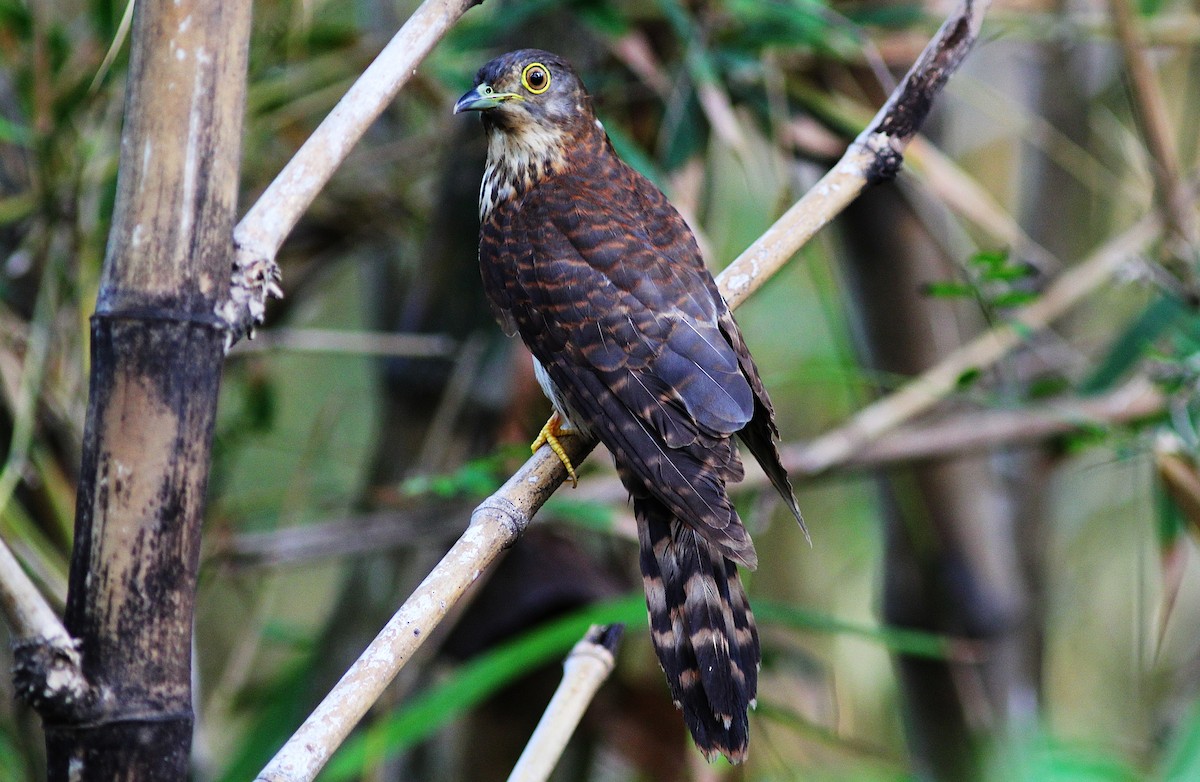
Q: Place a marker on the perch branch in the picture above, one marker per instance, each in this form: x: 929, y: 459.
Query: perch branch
x: 495, y: 525
x: 585, y: 669
x: 875, y: 156
x: 969, y: 431
x: 258, y: 237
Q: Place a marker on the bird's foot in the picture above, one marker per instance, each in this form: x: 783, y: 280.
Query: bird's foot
x: 549, y: 435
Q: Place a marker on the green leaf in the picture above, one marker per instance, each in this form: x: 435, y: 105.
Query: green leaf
x: 915, y: 643
x: 15, y: 761
x: 1045, y: 759
x: 592, y: 515
x: 950, y: 290
x: 12, y: 133
x: 1013, y: 298
x: 479, y: 678
x: 275, y: 712
x: 1170, y: 518
x: 477, y: 478
x: 989, y: 259
x: 968, y: 378
x: 1130, y: 347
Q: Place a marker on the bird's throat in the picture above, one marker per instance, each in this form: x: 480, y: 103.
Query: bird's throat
x: 518, y: 158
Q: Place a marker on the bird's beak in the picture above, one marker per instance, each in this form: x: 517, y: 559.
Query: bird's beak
x: 483, y: 97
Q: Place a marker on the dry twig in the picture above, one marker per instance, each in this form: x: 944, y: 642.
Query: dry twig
x: 47, y: 666
x: 261, y: 232
x: 957, y: 433
x: 1155, y: 121
x: 374, y: 343
x: 934, y: 384
x: 875, y: 156
x: 585, y: 669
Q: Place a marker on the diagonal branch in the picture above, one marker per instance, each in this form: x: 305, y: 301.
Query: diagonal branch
x: 967, y: 431
x: 584, y: 670
x: 258, y: 237
x: 875, y: 156
x: 1151, y: 108
x: 922, y: 392
x: 47, y: 665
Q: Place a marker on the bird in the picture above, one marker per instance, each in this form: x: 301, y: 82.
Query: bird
x: 632, y: 342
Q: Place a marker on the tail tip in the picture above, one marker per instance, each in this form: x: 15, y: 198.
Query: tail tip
x: 735, y: 755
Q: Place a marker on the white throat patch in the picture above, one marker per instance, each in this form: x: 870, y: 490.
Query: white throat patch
x: 515, y: 160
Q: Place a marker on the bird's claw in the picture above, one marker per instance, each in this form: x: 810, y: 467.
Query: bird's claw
x: 549, y: 436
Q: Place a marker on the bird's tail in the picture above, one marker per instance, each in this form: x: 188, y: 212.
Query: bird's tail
x: 702, y: 628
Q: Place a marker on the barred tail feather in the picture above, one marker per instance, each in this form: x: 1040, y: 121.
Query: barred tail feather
x: 702, y: 629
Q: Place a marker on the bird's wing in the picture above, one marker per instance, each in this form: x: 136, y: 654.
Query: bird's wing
x: 604, y: 281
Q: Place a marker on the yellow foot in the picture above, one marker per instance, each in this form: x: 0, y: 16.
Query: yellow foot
x: 549, y: 436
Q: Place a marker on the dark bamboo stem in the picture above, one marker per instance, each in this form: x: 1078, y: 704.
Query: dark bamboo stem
x: 157, y: 350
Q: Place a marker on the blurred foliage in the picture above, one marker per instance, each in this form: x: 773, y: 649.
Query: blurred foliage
x: 733, y: 107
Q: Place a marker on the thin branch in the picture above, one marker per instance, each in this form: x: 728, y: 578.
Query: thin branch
x: 873, y: 157
x: 28, y: 612
x: 937, y: 382
x: 585, y: 669
x: 1155, y: 121
x: 47, y: 665
x: 968, y: 431
x: 364, y: 343
x: 975, y: 431
x: 302, y: 544
x: 262, y: 231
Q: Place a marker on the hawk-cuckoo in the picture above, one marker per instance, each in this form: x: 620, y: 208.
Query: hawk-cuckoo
x: 593, y: 267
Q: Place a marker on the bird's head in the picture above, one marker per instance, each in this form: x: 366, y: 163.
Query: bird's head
x: 529, y: 92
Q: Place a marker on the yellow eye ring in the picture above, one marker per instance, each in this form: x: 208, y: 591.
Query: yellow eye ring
x: 536, y: 78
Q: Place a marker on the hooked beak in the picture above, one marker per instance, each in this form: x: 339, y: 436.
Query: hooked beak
x: 483, y: 97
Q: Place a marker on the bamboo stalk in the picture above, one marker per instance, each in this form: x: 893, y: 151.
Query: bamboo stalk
x: 156, y: 356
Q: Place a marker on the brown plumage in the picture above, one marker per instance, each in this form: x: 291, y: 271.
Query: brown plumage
x: 593, y: 267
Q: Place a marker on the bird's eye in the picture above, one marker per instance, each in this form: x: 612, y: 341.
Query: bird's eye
x: 536, y: 78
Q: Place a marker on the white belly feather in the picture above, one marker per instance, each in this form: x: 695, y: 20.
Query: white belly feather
x: 569, y: 419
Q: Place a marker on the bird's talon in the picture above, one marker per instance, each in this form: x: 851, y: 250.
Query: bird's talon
x: 549, y: 436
